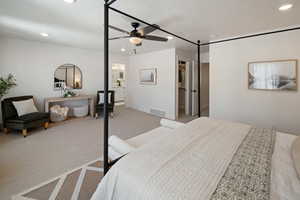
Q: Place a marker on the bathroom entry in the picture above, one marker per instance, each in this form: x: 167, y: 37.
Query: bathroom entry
x: 118, y: 82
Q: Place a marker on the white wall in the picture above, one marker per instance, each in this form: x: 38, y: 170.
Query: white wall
x: 204, y: 57
x: 161, y: 96
x: 229, y: 96
x: 34, y: 63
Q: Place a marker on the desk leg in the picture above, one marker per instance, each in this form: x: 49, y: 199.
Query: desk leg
x: 46, y: 106
x: 92, y: 108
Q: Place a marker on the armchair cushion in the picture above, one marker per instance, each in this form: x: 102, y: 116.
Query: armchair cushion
x: 101, y: 98
x: 25, y: 107
x: 31, y: 117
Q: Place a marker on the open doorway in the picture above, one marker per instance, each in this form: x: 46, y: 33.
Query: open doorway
x: 187, y: 90
x: 118, y: 83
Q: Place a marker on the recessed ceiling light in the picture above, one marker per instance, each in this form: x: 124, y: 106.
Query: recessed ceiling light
x: 70, y: 1
x: 44, y: 34
x: 285, y: 7
x: 123, y: 49
x: 169, y: 37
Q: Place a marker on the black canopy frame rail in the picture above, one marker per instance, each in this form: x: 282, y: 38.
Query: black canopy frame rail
x: 107, y: 7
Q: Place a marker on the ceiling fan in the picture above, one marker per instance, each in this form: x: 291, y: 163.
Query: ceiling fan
x: 138, y: 35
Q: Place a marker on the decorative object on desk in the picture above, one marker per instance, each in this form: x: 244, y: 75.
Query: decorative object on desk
x: 68, y: 75
x: 273, y: 75
x: 58, y: 113
x: 148, y: 76
x: 69, y: 93
x: 6, y: 84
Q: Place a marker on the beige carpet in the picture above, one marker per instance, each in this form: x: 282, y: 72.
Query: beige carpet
x: 45, y: 154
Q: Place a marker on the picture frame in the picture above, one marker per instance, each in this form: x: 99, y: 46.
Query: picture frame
x: 276, y: 75
x: 148, y: 76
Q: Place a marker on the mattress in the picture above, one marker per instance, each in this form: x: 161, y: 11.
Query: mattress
x: 119, y: 184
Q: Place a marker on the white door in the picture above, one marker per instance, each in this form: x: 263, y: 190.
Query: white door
x: 194, y: 89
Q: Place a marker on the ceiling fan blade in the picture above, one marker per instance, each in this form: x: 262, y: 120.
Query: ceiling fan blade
x: 155, y: 38
x: 148, y: 29
x: 121, y: 37
x: 118, y: 29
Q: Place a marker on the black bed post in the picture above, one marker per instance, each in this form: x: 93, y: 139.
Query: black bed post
x: 199, y: 80
x: 106, y: 69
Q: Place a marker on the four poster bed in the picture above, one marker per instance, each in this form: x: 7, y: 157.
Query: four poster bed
x: 204, y: 159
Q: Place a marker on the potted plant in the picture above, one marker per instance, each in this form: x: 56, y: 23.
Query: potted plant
x: 6, y: 84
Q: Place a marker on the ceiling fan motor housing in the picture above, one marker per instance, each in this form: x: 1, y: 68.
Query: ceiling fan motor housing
x: 135, y: 33
x: 135, y: 25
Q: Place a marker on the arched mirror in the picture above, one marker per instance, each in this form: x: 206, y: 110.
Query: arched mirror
x: 68, y: 76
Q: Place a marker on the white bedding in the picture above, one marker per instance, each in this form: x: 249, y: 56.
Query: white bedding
x: 285, y: 184
x: 187, y: 163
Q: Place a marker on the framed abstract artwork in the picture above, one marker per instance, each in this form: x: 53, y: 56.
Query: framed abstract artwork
x: 278, y: 75
x: 148, y: 76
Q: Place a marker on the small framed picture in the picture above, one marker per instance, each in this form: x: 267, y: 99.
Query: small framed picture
x: 148, y: 76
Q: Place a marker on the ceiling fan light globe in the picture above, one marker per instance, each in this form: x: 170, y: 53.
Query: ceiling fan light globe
x: 135, y: 40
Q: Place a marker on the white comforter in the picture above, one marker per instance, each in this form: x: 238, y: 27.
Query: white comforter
x: 186, y: 163
x: 285, y: 184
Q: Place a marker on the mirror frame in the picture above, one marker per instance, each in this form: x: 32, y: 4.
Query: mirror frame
x: 71, y: 65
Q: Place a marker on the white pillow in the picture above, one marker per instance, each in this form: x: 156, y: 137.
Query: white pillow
x: 25, y: 107
x: 101, y: 98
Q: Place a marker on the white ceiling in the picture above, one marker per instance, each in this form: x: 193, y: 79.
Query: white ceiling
x: 81, y: 24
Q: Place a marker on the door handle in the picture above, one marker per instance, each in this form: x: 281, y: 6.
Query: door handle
x: 194, y: 91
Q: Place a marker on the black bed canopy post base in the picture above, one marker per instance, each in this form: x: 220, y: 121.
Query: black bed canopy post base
x: 199, y: 79
x: 106, y: 65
